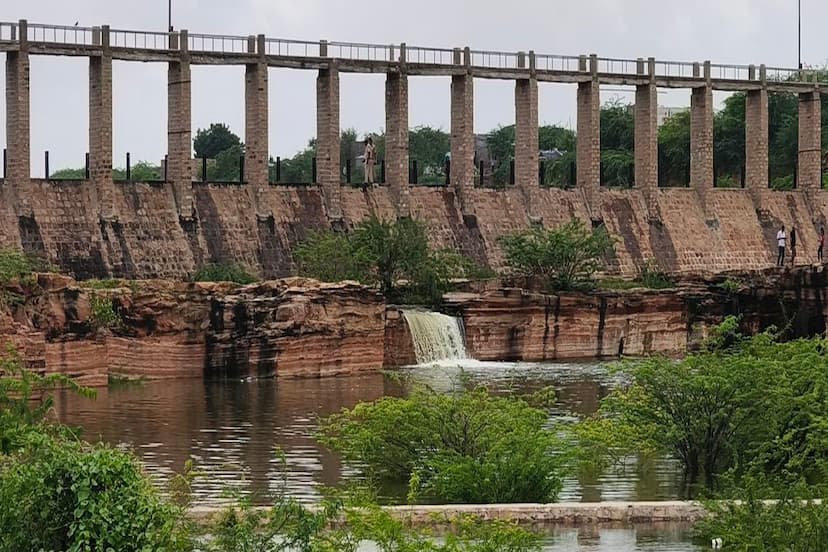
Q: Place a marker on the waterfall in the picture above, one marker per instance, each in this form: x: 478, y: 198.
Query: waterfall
x: 436, y: 336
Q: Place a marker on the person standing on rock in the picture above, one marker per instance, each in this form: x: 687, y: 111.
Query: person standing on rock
x: 821, y: 243
x: 369, y: 158
x: 793, y: 246
x: 781, y: 238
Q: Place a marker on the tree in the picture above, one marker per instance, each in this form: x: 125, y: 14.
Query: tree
x: 563, y: 258
x: 429, y: 146
x: 674, y: 150
x: 210, y: 142
x: 741, y: 408
x: 470, y: 447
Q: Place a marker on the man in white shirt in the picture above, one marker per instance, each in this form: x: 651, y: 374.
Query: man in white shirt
x: 781, y: 238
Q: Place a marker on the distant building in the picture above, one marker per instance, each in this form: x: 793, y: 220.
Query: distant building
x: 665, y: 113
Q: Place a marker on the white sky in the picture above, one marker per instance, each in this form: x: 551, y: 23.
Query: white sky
x: 725, y: 31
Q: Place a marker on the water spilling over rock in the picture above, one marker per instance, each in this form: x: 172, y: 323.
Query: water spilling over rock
x: 436, y: 336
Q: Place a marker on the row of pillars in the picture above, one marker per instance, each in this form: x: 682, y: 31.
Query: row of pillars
x: 179, y: 139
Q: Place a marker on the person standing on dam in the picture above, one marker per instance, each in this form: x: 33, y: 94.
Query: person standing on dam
x: 781, y: 238
x: 821, y: 244
x: 369, y: 159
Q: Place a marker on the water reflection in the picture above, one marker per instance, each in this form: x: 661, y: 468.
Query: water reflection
x: 232, y: 428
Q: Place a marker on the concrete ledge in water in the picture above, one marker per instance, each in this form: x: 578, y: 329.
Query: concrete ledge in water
x: 576, y: 513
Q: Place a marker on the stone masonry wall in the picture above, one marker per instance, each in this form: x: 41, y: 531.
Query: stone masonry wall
x: 731, y: 230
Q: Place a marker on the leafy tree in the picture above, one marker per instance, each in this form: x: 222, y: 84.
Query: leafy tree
x: 674, y: 150
x: 395, y: 255
x: 227, y: 167
x: 210, y: 142
x: 429, y: 146
x: 742, y: 407
x: 142, y: 171
x: 562, y: 258
x: 68, y: 174
x: 617, y: 144
x: 466, y: 448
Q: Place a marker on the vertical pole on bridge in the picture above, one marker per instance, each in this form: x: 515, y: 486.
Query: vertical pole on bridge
x: 18, y: 138
x: 100, y: 124
x: 328, y: 137
x: 756, y: 138
x: 701, y: 133
x: 809, y: 158
x: 524, y: 168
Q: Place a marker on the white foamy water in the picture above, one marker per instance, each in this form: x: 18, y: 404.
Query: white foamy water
x: 437, y: 337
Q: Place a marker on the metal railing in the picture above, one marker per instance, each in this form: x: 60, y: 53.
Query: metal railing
x: 481, y: 59
x: 730, y: 72
x: 355, y: 51
x: 217, y: 44
x: 8, y: 32
x: 549, y: 62
x: 617, y: 66
x: 60, y: 34
x: 680, y: 69
x: 430, y: 56
x: 291, y: 48
x: 494, y: 60
x: 140, y: 40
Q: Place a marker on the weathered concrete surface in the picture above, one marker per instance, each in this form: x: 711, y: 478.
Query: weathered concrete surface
x: 575, y: 513
x: 730, y: 230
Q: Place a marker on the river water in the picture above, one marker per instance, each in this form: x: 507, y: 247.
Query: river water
x: 231, y: 429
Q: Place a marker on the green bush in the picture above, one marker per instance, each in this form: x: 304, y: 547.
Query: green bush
x: 741, y: 407
x: 651, y: 276
x: 726, y: 181
x: 466, y: 448
x: 102, y: 314
x: 220, y: 272
x: 65, y: 495
x: 783, y: 183
x: 14, y: 265
x: 395, y: 255
x: 563, y: 258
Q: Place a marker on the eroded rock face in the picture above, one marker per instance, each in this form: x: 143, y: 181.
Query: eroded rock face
x: 303, y: 328
x: 164, y: 329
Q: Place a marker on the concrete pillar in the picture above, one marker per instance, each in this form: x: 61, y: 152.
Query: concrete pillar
x: 18, y: 167
x: 588, y: 138
x: 646, y: 136
x: 396, y: 140
x: 179, y: 128
x: 100, y: 127
x: 256, y: 125
x: 327, y: 139
x: 462, y: 137
x: 756, y: 141
x: 701, y: 138
x: 809, y: 166
x: 526, y: 133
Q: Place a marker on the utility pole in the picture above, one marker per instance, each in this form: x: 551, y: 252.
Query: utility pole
x: 798, y: 33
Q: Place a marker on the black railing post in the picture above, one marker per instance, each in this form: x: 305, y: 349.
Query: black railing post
x: 382, y: 171
x: 5, y: 162
x: 347, y: 171
x: 128, y: 168
x: 313, y: 170
x: 86, y: 166
x: 481, y: 173
x: 416, y: 179
x: 204, y: 168
x: 448, y: 172
x: 573, y: 174
x: 46, y: 163
x: 601, y: 177
x: 241, y: 169
x: 512, y: 172
x: 278, y: 170
x: 742, y: 175
x: 166, y: 164
x: 541, y: 172
x: 796, y: 173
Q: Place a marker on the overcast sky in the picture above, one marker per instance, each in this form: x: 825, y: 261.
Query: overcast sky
x: 725, y: 31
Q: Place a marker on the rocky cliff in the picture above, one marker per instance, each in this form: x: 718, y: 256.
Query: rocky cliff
x: 303, y: 328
